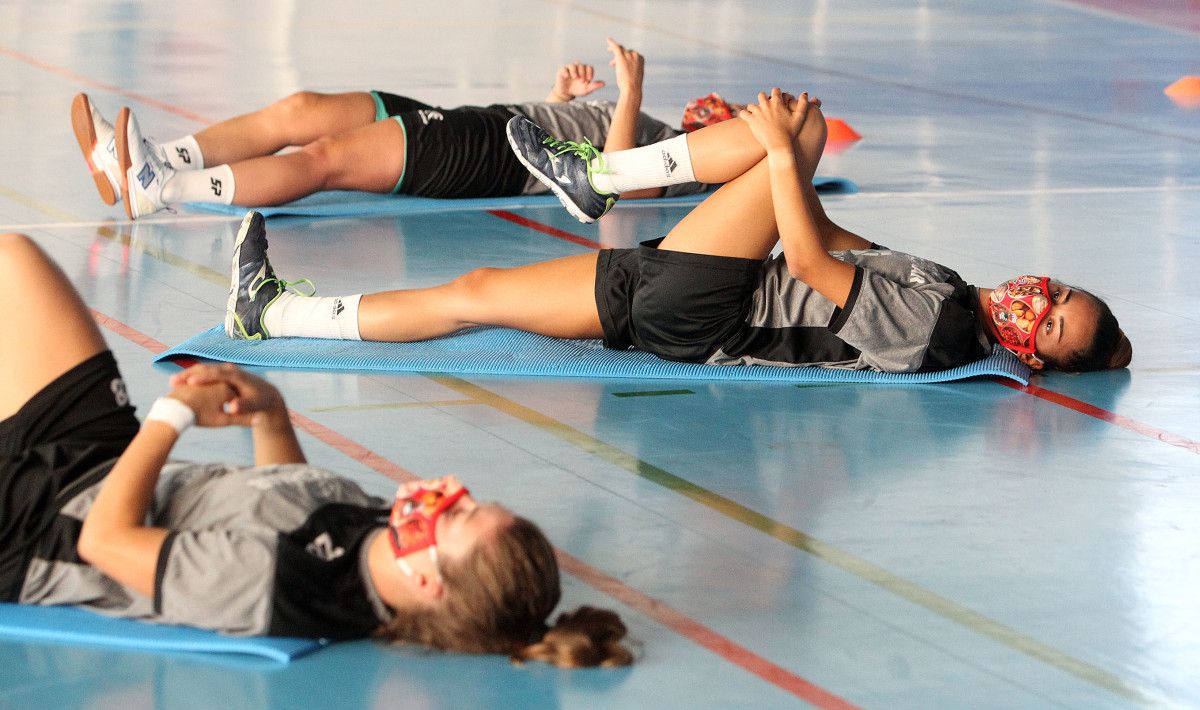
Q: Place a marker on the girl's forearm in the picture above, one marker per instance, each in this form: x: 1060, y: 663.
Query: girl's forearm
x: 115, y: 537
x: 803, y: 247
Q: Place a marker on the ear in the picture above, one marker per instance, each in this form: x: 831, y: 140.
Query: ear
x: 1031, y: 360
x: 427, y: 587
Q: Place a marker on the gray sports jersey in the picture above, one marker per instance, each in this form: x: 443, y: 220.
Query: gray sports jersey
x: 904, y: 314
x: 577, y: 120
x: 264, y: 550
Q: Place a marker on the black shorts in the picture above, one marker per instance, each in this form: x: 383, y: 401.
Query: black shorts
x: 62, y: 440
x: 458, y: 152
x: 676, y: 305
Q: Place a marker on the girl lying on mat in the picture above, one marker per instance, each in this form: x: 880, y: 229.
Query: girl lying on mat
x: 709, y: 291
x: 92, y: 513
x: 371, y: 141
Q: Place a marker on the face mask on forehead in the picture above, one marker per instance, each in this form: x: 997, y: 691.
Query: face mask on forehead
x: 1018, y: 307
x: 412, y: 525
x: 705, y: 111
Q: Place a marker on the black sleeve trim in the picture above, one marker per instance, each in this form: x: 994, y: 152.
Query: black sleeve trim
x: 841, y: 315
x: 160, y: 569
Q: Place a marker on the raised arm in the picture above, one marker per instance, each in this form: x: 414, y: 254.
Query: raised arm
x: 622, y: 132
x: 776, y: 121
x: 572, y: 81
x: 255, y: 403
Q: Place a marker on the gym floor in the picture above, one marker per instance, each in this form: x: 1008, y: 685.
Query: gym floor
x: 961, y: 545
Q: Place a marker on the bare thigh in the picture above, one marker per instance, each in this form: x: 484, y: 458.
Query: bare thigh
x: 46, y: 329
x: 555, y: 298
x: 737, y: 220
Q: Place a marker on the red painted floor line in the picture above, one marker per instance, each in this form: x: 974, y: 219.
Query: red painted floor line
x: 545, y: 229
x: 664, y: 614
x: 78, y: 78
x: 1082, y: 407
x: 703, y: 635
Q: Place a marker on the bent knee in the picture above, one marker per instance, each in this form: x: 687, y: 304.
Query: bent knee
x: 298, y: 105
x: 326, y: 160
x: 20, y: 248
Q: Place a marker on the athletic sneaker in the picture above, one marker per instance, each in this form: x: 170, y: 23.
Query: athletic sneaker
x: 142, y: 170
x: 253, y: 286
x: 98, y: 143
x: 563, y: 166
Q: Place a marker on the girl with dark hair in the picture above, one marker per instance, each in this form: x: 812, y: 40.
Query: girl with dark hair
x: 710, y: 291
x: 92, y: 512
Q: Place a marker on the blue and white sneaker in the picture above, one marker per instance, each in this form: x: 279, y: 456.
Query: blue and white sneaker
x: 98, y: 142
x: 253, y: 286
x: 565, y: 167
x: 142, y: 170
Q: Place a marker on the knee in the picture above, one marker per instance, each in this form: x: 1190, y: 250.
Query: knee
x: 20, y: 256
x: 296, y: 107
x: 325, y: 158
x: 473, y: 286
x: 20, y: 249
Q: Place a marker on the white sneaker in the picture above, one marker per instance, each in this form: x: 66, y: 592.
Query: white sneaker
x: 97, y: 140
x: 142, y: 171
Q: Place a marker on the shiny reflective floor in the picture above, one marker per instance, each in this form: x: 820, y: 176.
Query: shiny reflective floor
x: 964, y: 545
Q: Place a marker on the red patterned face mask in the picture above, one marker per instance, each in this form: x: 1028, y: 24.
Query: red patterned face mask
x: 412, y: 525
x: 1018, y: 307
x: 705, y: 111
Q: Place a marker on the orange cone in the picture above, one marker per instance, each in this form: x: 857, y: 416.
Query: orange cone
x: 1185, y: 92
x: 840, y: 131
x: 840, y: 136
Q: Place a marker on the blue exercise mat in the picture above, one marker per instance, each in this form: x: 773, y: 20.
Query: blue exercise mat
x: 503, y: 351
x: 339, y: 203
x: 71, y: 625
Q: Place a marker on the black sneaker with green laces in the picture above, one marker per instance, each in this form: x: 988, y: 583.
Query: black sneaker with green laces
x: 253, y: 286
x: 563, y: 166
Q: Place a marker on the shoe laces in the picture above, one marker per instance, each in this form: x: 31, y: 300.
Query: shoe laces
x: 284, y: 286
x: 584, y: 150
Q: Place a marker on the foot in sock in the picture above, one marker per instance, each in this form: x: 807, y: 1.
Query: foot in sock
x: 141, y: 168
x: 563, y: 166
x: 97, y: 140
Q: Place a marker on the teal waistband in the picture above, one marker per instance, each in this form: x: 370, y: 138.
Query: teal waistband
x: 380, y: 111
x: 396, y: 189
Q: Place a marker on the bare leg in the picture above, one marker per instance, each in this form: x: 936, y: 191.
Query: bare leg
x: 46, y: 329
x: 723, y: 152
x: 555, y: 298
x: 370, y: 158
x: 298, y: 119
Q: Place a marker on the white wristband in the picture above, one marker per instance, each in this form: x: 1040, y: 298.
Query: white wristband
x: 171, y: 412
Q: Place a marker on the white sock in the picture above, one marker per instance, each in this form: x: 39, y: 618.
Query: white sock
x: 330, y: 317
x: 211, y: 185
x: 183, y: 153
x: 660, y: 164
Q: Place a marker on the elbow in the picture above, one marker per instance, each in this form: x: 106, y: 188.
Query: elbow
x: 799, y: 271
x: 88, y: 546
